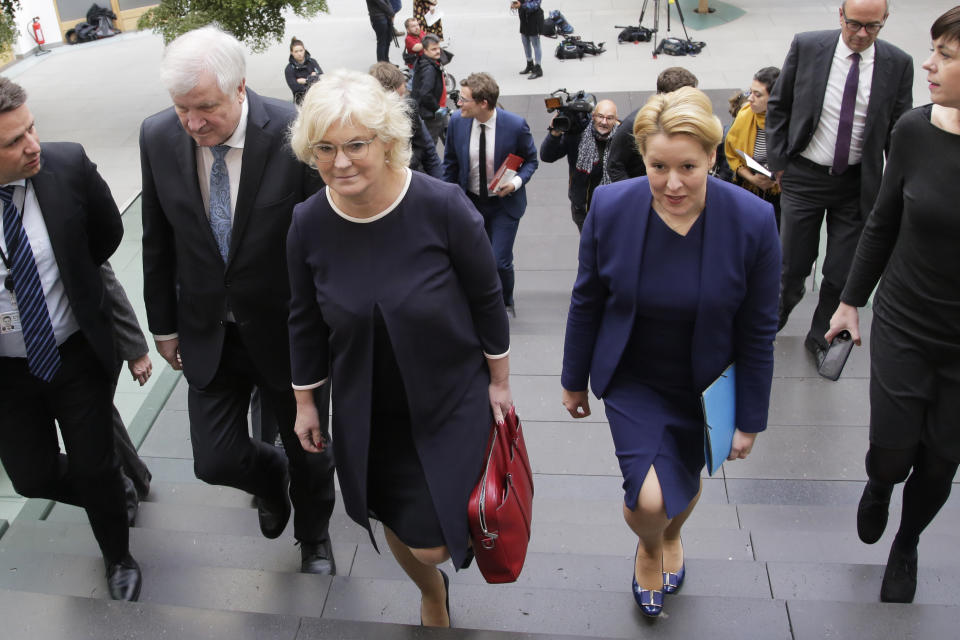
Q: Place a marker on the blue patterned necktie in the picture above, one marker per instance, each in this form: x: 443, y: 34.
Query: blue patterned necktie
x: 43, y: 358
x: 220, y: 221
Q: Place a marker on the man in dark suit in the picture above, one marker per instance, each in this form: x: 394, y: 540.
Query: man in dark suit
x: 219, y: 186
x: 57, y: 361
x: 828, y: 125
x: 472, y: 165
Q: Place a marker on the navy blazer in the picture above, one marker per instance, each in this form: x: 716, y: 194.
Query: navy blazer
x: 512, y: 136
x: 739, y: 289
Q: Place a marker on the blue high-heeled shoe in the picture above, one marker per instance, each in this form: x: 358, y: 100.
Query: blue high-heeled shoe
x: 673, y: 581
x: 650, y: 601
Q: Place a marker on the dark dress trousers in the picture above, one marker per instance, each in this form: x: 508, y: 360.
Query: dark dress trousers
x: 84, y: 228
x: 793, y: 114
x: 736, y: 312
x: 188, y: 290
x: 130, y: 344
x: 426, y: 270
x: 501, y: 216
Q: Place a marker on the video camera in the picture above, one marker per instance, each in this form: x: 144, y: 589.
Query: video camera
x: 573, y: 110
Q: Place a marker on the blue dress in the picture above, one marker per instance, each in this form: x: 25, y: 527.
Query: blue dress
x: 651, y: 403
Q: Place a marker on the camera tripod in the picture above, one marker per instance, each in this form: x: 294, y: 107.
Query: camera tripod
x: 656, y: 21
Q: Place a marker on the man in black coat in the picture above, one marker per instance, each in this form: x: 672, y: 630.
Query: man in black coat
x: 219, y: 186
x: 429, y: 90
x: 586, y: 151
x: 57, y: 359
x: 828, y: 126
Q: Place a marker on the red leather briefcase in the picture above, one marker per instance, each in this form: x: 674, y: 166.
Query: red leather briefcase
x: 501, y: 505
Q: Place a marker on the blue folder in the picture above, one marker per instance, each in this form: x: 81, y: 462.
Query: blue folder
x: 719, y: 402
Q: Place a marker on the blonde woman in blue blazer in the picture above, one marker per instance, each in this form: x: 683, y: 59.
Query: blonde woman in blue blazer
x: 679, y: 277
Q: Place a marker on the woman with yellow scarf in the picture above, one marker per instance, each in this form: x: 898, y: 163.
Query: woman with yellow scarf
x: 748, y: 134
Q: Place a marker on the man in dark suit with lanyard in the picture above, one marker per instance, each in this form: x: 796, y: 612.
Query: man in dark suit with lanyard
x: 57, y: 361
x: 219, y: 186
x: 479, y: 138
x: 828, y: 125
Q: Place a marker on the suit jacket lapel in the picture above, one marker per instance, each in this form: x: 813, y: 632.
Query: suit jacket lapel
x: 49, y: 192
x: 255, y: 150
x: 500, y: 142
x: 634, y: 235
x: 185, y: 150
x: 823, y: 61
x: 880, y: 85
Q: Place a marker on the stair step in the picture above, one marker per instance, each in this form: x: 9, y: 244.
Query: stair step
x: 813, y: 620
x: 842, y: 548
x: 33, y: 616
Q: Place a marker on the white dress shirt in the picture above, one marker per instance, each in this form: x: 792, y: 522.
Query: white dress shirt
x: 491, y: 135
x: 234, y: 161
x: 824, y: 141
x: 61, y: 315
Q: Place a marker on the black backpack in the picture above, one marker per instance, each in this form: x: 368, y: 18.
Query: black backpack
x: 635, y: 34
x: 573, y: 48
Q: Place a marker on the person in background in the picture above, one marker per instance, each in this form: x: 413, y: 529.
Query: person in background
x: 623, y: 158
x: 531, y: 26
x: 422, y: 9
x: 586, y: 151
x: 909, y: 245
x: 479, y: 139
x: 413, y: 43
x: 829, y: 119
x: 748, y: 133
x: 396, y: 5
x: 429, y: 91
x: 424, y: 156
x: 381, y: 19
x: 418, y: 338
x: 301, y: 70
x: 678, y: 279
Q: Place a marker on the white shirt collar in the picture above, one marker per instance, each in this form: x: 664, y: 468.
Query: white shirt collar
x: 490, y: 124
x: 22, y: 182
x: 239, y: 135
x: 845, y: 52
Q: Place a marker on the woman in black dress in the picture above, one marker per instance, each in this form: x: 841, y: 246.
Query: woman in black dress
x: 911, y: 238
x: 393, y: 283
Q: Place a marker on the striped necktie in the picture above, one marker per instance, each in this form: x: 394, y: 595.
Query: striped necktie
x: 220, y: 221
x: 43, y: 358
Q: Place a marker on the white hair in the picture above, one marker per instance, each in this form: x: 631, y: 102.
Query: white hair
x: 203, y: 50
x: 358, y: 99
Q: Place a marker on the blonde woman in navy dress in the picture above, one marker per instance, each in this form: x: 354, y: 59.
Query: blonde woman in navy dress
x: 393, y: 283
x: 679, y: 276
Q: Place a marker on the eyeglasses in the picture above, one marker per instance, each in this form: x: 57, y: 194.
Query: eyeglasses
x: 873, y: 28
x: 325, y: 152
x: 462, y: 99
x: 603, y: 118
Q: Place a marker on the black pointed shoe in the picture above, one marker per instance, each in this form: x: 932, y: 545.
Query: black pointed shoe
x: 536, y: 73
x: 124, y: 579
x: 873, y: 511
x: 528, y: 68
x: 317, y: 558
x: 274, y: 513
x: 900, y: 576
x: 131, y: 499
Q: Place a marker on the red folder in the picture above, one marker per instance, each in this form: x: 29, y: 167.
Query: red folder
x: 505, y: 173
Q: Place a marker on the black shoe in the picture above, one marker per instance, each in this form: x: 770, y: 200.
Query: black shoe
x: 900, y: 576
x: 275, y: 513
x: 528, y: 68
x: 131, y: 499
x: 537, y: 72
x: 446, y: 603
x: 124, y: 579
x: 317, y: 557
x: 873, y: 511
x: 817, y: 349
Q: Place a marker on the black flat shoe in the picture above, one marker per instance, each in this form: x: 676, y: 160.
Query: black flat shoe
x: 275, y: 513
x: 446, y: 602
x: 900, y: 576
x: 873, y: 511
x: 317, y: 558
x: 124, y: 579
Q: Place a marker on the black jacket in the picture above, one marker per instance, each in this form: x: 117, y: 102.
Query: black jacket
x: 296, y: 70
x: 427, y: 86
x: 581, y: 184
x: 424, y: 158
x: 379, y: 8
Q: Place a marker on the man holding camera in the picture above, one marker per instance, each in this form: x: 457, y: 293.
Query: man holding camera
x: 585, y: 145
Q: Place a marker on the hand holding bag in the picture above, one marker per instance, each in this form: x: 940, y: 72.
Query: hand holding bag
x: 501, y: 505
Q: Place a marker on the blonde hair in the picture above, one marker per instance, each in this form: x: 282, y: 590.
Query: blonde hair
x: 686, y: 110
x: 355, y: 99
